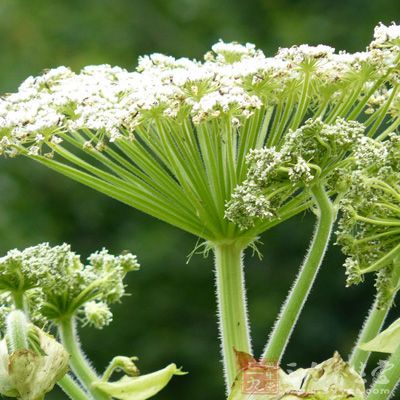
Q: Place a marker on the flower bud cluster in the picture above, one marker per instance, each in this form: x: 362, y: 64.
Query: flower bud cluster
x: 23, y: 270
x: 97, y: 314
x: 55, y: 282
x: 307, y: 154
x: 369, y: 227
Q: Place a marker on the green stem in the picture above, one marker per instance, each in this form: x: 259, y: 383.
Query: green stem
x: 231, y: 297
x: 384, y: 386
x: 18, y: 299
x: 71, y: 388
x: 79, y: 364
x: 17, y: 331
x: 298, y: 295
x: 302, y: 106
x: 371, y: 328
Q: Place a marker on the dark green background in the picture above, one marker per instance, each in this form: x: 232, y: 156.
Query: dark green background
x: 170, y: 316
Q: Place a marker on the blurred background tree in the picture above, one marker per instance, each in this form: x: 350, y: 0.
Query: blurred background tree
x: 170, y: 315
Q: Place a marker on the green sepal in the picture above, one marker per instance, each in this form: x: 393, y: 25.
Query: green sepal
x: 386, y: 342
x: 139, y: 387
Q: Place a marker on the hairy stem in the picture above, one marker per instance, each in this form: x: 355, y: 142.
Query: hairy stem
x: 17, y: 330
x: 78, y: 362
x: 372, y: 326
x: 71, y: 388
x: 231, y: 297
x: 386, y: 382
x: 298, y: 295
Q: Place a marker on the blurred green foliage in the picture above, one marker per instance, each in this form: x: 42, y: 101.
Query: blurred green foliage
x: 170, y: 316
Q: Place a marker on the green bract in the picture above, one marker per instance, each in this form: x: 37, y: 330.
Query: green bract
x: 387, y: 341
x: 137, y: 387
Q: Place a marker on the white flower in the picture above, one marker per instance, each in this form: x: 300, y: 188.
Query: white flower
x: 300, y: 53
x: 34, y: 151
x: 56, y: 139
x: 384, y: 34
x: 232, y: 52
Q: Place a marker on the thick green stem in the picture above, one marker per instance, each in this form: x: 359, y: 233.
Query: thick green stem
x: 386, y: 382
x: 71, y: 388
x: 231, y: 297
x: 17, y: 331
x: 80, y: 366
x: 297, y: 297
x: 371, y: 328
x: 18, y: 299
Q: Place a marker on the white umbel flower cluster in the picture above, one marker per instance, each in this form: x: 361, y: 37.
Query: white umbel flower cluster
x: 232, y: 83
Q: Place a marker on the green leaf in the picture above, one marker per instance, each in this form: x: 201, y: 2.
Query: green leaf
x: 139, y: 387
x: 386, y: 342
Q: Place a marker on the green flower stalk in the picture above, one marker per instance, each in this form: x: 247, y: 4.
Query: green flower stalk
x: 231, y: 298
x: 386, y: 383
x: 174, y: 137
x: 297, y: 297
x: 372, y: 326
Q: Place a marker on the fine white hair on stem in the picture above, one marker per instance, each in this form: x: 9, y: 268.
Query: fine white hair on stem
x: 288, y: 298
x: 303, y: 284
x: 371, y: 326
x: 232, y: 313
